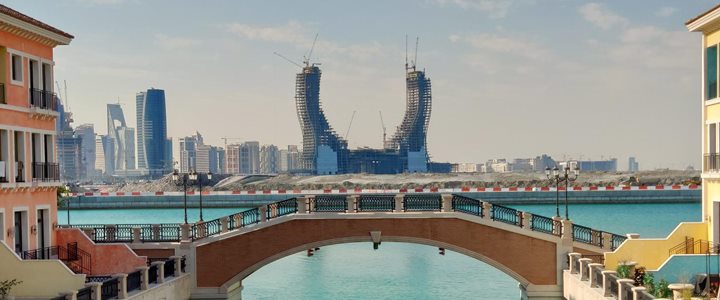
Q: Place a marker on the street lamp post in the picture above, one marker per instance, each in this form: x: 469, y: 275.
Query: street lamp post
x: 177, y: 179
x: 191, y: 178
x: 566, y: 177
x: 198, y: 176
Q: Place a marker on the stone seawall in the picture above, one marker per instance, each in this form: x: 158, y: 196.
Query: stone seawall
x: 533, y: 197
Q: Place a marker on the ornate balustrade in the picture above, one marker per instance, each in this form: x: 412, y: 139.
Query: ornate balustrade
x: 347, y: 204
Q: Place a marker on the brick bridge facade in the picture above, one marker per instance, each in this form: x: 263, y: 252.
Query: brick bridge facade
x: 219, y: 262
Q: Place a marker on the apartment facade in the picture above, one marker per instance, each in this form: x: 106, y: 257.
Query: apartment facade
x: 709, y: 25
x: 29, y: 171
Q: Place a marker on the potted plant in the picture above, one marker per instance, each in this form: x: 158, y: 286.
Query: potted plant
x: 6, y: 286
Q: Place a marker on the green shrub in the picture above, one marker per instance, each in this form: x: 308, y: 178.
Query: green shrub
x: 623, y: 271
x: 661, y: 289
x: 649, y: 283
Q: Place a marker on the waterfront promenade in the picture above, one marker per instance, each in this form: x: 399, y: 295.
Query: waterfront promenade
x: 507, y: 196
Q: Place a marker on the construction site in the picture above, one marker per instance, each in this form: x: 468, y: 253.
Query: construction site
x: 408, y: 180
x: 325, y: 152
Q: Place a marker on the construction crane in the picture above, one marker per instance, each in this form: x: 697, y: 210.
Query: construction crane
x: 351, y: 120
x: 225, y: 139
x: 306, y: 59
x: 383, y: 127
x: 289, y: 60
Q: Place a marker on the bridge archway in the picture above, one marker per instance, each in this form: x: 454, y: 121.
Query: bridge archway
x: 221, y: 265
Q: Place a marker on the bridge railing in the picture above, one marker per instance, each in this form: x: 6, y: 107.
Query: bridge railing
x: 546, y: 225
x: 422, y: 202
x: 352, y: 204
x: 282, y: 208
x: 376, y: 203
x: 243, y: 219
x: 328, y: 203
x: 507, y: 215
x: 467, y: 205
x: 587, y: 235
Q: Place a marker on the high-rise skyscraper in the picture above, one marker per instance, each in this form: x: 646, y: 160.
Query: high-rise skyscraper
x: 123, y: 138
x: 633, y: 165
x: 269, y: 159
x: 411, y: 136
x: 104, y: 155
x: 324, y: 151
x: 232, y: 159
x: 86, y: 132
x: 152, y: 140
x: 188, y: 151
x: 250, y: 158
x: 69, y: 149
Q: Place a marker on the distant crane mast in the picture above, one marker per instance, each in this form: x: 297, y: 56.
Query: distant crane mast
x: 383, y: 127
x: 351, y: 120
x: 289, y: 60
x: 306, y: 59
x: 225, y: 139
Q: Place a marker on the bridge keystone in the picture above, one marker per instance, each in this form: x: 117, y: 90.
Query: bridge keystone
x: 376, y: 237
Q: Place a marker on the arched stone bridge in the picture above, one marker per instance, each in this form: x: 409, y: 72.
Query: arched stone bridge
x: 532, y: 249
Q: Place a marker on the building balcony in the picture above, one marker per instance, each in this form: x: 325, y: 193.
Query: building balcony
x: 2, y: 94
x: 711, y: 162
x: 45, y: 172
x: 43, y: 99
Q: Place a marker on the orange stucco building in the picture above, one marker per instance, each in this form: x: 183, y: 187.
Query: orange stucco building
x: 29, y: 172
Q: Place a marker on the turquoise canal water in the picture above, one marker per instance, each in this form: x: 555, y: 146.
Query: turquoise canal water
x: 399, y: 270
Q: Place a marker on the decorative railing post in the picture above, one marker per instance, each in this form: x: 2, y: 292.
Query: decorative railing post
x: 110, y: 232
x: 185, y: 232
x: 351, y: 203
x: 71, y: 295
x: 526, y: 220
x: 96, y: 290
x: 201, y: 229
x: 311, y: 203
x: 224, y: 224
x: 156, y: 231
x: 487, y: 210
x: 263, y: 213
x: 574, y: 259
x: 122, y: 285
x: 637, y: 292
x: 145, y: 278
x: 447, y: 202
x: 160, y: 265
x: 137, y: 234
x: 584, y: 270
x: 557, y: 226
x: 622, y: 288
x: 178, y: 261
x: 592, y: 274
x: 399, y: 202
x: 607, y: 238
x: 567, y: 230
x: 606, y: 282
x: 302, y: 205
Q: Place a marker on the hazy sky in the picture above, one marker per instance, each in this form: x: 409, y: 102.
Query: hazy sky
x: 510, y: 78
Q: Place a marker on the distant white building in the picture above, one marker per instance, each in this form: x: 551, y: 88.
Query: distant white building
x: 269, y: 159
x: 466, y: 168
x: 500, y: 165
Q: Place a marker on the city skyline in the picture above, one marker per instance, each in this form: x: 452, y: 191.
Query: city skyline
x: 478, y: 69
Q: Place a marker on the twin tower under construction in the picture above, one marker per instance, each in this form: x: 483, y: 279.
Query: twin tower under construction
x: 325, y: 152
